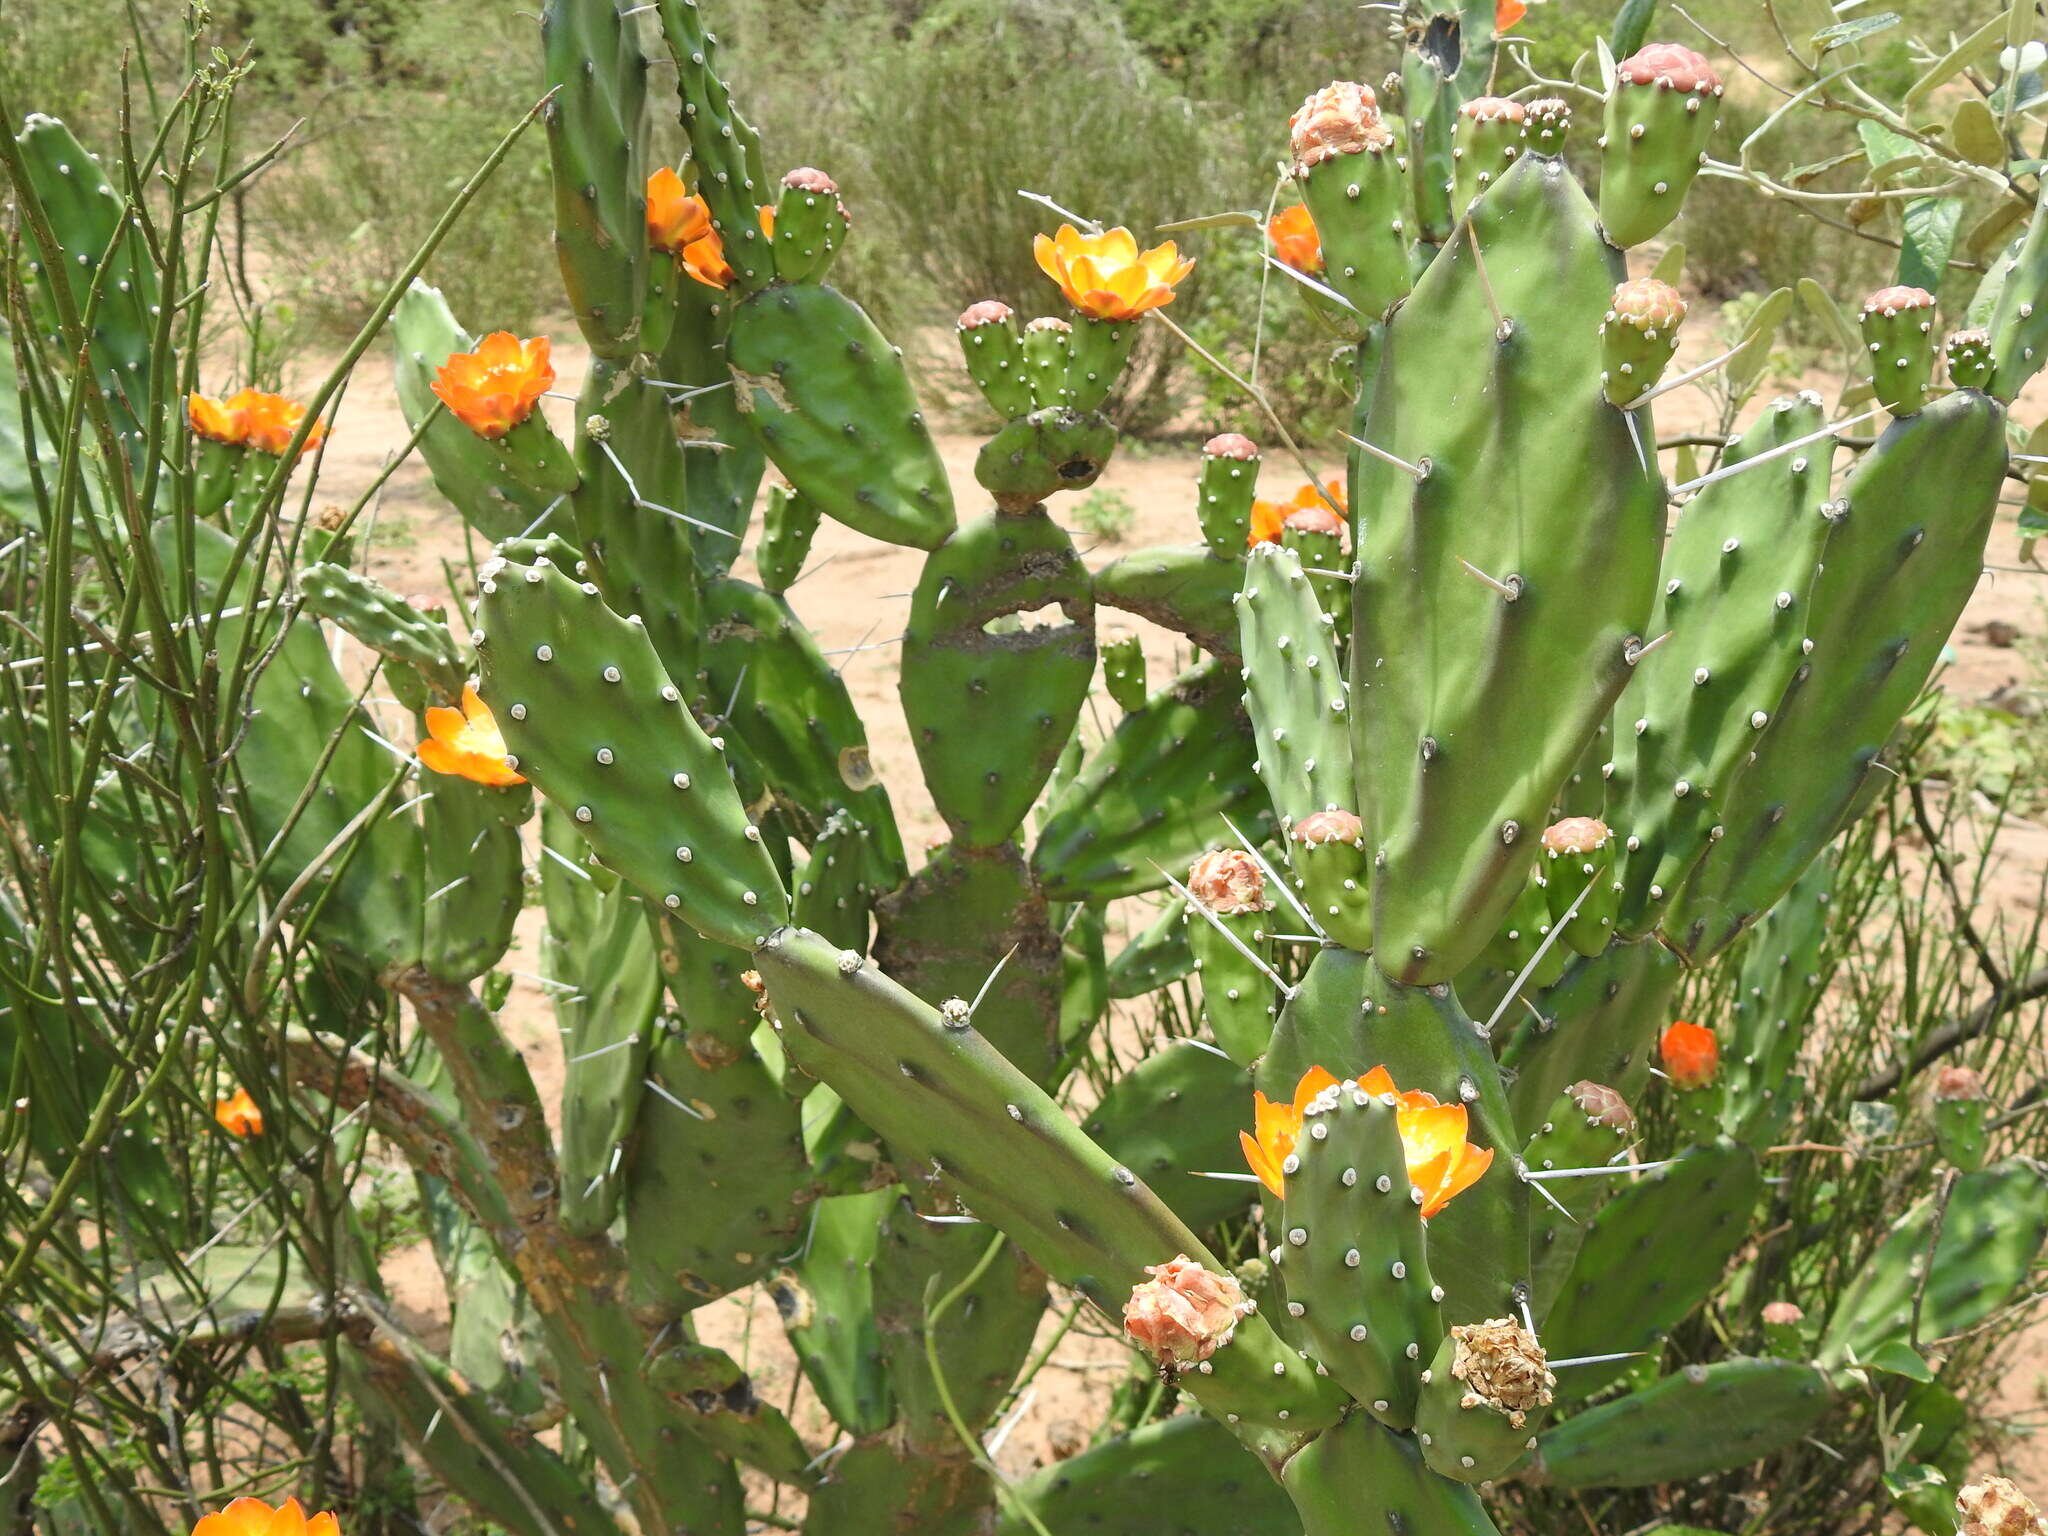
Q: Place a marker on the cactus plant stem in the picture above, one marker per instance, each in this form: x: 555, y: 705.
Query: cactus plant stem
x: 1765, y: 457
x: 1413, y: 471
x: 1236, y: 943
x: 1273, y: 880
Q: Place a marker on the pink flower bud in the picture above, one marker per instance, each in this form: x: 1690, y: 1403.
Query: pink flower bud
x: 1230, y: 445
x: 1329, y: 827
x: 987, y: 312
x: 1671, y: 65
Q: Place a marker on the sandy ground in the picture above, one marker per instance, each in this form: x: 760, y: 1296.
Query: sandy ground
x: 855, y: 593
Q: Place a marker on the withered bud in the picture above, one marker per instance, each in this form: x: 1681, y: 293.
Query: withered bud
x: 1502, y: 1367
x: 1343, y: 118
x: 1184, y: 1313
x: 1227, y: 880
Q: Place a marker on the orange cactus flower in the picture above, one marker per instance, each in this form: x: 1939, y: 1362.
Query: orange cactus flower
x: 1270, y: 517
x: 1292, y: 232
x: 221, y: 421
x: 1441, y: 1162
x: 253, y: 1517
x: 238, y: 1115
x: 1276, y: 1127
x: 1106, y: 276
x: 1507, y: 12
x: 675, y: 218
x: 704, y: 258
x: 1692, y: 1056
x: 467, y: 743
x: 495, y: 388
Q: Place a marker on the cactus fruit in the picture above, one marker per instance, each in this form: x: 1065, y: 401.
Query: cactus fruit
x: 1639, y: 337
x: 1960, y: 1108
x: 1576, y: 871
x: 1485, y: 141
x: 1354, y: 187
x: 1123, y: 671
x: 1228, y: 920
x: 1230, y: 477
x: 1969, y: 359
x: 1898, y: 329
x: 1661, y: 112
x: 788, y: 524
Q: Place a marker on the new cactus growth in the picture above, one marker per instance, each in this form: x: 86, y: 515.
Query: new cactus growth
x: 1660, y: 115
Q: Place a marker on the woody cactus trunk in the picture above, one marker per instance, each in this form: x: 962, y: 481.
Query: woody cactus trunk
x: 1479, y: 755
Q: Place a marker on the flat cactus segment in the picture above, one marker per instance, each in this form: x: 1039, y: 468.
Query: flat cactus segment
x: 1906, y: 552
x: 1473, y: 695
x: 1784, y: 973
x: 1216, y: 1488
x: 1187, y: 588
x: 1649, y: 1257
x: 2019, y: 317
x: 1056, y: 449
x: 1155, y: 958
x: 654, y: 798
x: 1123, y: 671
x: 1155, y: 793
x: 1234, y: 956
x: 832, y: 405
x: 946, y: 932
x: 1172, y: 1117
x: 779, y: 693
x: 598, y: 951
x: 597, y: 144
x: 949, y: 1097
x: 1296, y: 693
x: 1898, y: 331
x: 89, y: 220
x: 1737, y: 576
x: 826, y: 1303
x: 1991, y: 1235
x: 479, y: 479
x: 876, y: 1485
x: 716, y: 1399
x: 834, y: 894
x: 991, y: 696
x: 1347, y: 1017
x: 1599, y: 1021
x: 717, y: 1180
x: 722, y: 143
x: 1703, y: 1419
x: 982, y: 1340
x: 1351, y: 1253
x: 992, y: 345
x: 788, y: 524
x: 388, y: 624
x: 1661, y: 111
x: 1229, y: 485
x: 1362, y: 1465
x: 474, y: 871
x: 725, y: 460
x: 1588, y: 1127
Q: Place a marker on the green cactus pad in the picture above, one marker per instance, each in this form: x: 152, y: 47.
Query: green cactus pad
x: 1348, y: 1018
x: 1661, y: 111
x: 993, y: 347
x: 388, y: 624
x: 951, y: 1099
x: 1123, y: 671
x: 1991, y: 1234
x: 1898, y: 331
x: 588, y: 711
x: 826, y: 1302
x: 834, y: 893
x: 722, y: 143
x: 1229, y: 485
x: 1214, y: 1487
x: 788, y: 524
x: 832, y: 405
x: 1783, y: 975
x: 1649, y: 1257
x: 725, y: 459
x: 2019, y: 317
x: 1470, y: 704
x: 1173, y: 1116
x: 596, y: 120
x: 1154, y: 794
x: 1237, y: 991
x: 1048, y: 345
x: 764, y: 673
x: 944, y: 934
x: 1056, y: 449
x: 1351, y: 1252
x: 1704, y: 1419
x: 1183, y: 587
x: 982, y: 1340
x: 1737, y: 576
x: 1588, y: 1126
x: 1155, y: 958
x: 1906, y: 552
x: 1363, y: 1465
x: 991, y: 703
x: 718, y: 1402
x: 1485, y: 140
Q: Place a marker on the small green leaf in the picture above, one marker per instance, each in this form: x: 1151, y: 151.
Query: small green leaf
x: 1973, y: 132
x: 1821, y: 305
x: 1967, y: 52
x: 1898, y: 1358
x: 1671, y: 265
x: 1855, y: 30
x: 1928, y: 227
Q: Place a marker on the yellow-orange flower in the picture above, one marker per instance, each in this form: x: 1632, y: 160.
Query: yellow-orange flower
x: 1692, y: 1056
x: 238, y: 1115
x: 1507, y: 12
x: 220, y: 421
x: 1106, y: 276
x: 1441, y: 1162
x: 467, y: 743
x: 704, y: 257
x: 495, y: 388
x: 675, y: 218
x: 253, y: 1517
x: 1270, y: 517
x: 1276, y: 1127
x: 1292, y: 232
